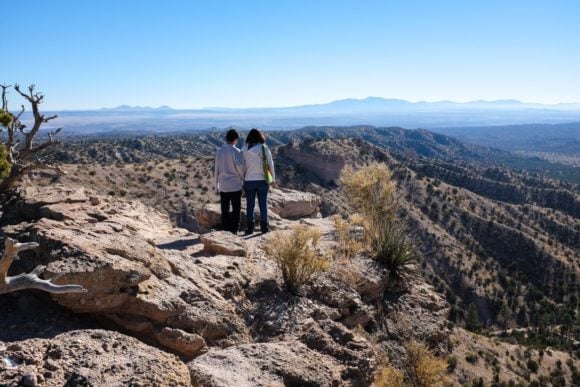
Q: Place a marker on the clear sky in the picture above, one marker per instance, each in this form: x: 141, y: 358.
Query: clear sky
x: 190, y: 54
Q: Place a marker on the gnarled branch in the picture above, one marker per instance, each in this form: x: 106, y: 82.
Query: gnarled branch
x: 30, y: 280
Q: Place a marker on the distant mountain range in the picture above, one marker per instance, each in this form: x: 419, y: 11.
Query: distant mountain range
x: 128, y: 108
x: 369, y: 111
x: 374, y: 104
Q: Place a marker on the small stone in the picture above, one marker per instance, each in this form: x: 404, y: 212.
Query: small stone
x: 94, y: 200
x: 29, y: 380
x: 50, y: 365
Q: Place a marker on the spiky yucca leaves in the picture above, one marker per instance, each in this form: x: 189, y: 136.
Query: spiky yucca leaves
x: 397, y: 252
x: 297, y: 254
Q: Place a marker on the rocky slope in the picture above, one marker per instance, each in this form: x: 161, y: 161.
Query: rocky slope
x: 481, y: 239
x: 192, y: 303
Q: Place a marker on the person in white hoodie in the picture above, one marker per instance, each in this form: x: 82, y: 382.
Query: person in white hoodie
x: 259, y: 174
x: 229, y: 180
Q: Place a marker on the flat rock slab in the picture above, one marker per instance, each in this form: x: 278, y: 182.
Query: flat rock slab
x: 224, y: 242
x: 264, y: 364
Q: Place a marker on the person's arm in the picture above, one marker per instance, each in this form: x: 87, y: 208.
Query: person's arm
x: 270, y: 163
x: 240, y: 164
x: 216, y: 171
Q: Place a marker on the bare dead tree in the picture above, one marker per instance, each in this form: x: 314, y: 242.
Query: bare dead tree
x: 22, y: 150
x: 30, y: 280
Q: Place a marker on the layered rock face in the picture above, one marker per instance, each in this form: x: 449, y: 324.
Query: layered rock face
x: 215, y: 301
x: 326, y: 167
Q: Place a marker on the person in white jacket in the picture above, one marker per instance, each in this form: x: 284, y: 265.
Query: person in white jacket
x: 229, y: 180
x: 258, y: 162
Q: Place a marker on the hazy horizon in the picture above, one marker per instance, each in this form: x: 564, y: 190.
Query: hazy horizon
x: 467, y: 102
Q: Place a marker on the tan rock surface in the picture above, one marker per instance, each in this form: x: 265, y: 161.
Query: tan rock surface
x: 109, y: 246
x: 264, y: 365
x: 98, y: 357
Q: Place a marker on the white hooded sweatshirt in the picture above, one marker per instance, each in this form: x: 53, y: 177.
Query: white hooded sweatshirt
x: 253, y: 158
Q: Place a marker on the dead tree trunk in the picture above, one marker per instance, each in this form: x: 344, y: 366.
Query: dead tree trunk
x: 19, y: 142
x: 28, y: 280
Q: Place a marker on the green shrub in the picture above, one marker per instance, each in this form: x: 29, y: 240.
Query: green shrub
x: 532, y: 365
x: 451, y: 363
x: 473, y: 323
x: 5, y: 118
x: 471, y: 358
x: 4, y: 164
x: 297, y: 255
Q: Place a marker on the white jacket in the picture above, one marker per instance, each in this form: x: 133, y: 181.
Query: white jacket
x: 229, y: 169
x: 254, y: 162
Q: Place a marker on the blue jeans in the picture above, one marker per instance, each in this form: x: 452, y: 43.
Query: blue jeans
x: 259, y: 187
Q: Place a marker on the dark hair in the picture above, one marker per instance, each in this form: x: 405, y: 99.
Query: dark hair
x: 255, y: 137
x: 232, y: 135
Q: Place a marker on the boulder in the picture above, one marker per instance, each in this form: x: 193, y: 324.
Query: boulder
x: 291, y: 204
x: 264, y: 364
x: 89, y: 357
x: 209, y: 216
x: 224, y: 242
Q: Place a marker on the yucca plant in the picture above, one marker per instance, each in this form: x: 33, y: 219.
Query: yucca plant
x: 396, y: 251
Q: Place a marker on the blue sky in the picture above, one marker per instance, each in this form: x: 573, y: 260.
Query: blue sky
x: 189, y: 54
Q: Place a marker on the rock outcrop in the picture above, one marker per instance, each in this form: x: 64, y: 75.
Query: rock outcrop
x: 215, y: 300
x: 284, y: 205
x: 326, y: 167
x: 109, y: 247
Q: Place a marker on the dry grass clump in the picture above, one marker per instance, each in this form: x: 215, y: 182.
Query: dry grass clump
x: 297, y: 254
x: 389, y: 376
x: 421, y: 368
x: 348, y: 238
x: 370, y: 192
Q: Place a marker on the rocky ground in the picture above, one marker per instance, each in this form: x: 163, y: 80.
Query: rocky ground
x: 169, y: 307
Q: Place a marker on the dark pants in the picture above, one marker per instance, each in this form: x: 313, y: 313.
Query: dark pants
x: 253, y: 188
x: 231, y: 220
